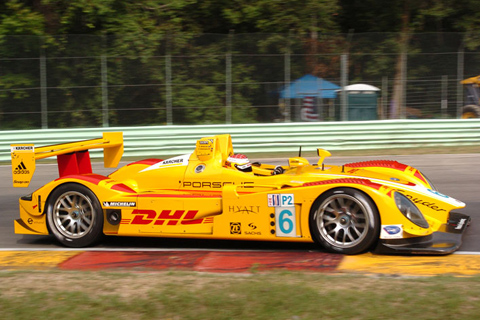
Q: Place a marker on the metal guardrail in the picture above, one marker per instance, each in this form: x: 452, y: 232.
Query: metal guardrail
x: 163, y: 141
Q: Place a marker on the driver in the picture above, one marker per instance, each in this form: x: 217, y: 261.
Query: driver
x: 239, y: 161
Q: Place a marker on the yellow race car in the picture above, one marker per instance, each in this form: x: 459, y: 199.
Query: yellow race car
x: 213, y: 193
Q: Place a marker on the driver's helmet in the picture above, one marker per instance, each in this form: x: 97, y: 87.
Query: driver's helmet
x: 239, y: 161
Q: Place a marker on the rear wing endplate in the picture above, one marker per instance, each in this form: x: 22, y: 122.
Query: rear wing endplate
x: 72, y: 157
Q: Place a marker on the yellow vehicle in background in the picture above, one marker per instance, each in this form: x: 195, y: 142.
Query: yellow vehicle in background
x: 472, y: 98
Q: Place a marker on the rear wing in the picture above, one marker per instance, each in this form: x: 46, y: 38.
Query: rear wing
x: 72, y: 157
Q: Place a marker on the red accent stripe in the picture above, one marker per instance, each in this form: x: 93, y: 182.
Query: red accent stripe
x: 123, y: 188
x: 419, y: 176
x: 157, y: 195
x: 364, y: 182
x: 212, y: 191
x: 204, y: 261
x: 92, y: 178
x: 378, y: 163
x: 147, y: 162
x: 385, y: 164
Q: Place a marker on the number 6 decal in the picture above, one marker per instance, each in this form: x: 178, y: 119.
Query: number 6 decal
x: 285, y: 225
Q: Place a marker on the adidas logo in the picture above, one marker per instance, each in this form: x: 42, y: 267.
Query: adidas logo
x: 21, y: 169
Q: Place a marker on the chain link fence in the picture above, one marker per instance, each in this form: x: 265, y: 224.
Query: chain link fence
x: 155, y: 79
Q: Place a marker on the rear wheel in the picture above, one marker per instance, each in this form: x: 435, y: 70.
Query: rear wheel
x: 75, y: 216
x: 344, y: 220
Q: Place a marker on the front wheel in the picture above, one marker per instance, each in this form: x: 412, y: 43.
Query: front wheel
x: 344, y: 220
x: 75, y: 216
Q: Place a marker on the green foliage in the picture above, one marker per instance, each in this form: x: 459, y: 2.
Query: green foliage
x: 284, y: 16
x: 135, y: 37
x: 16, y: 18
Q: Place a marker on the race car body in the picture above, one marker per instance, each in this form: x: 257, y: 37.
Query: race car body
x: 381, y: 205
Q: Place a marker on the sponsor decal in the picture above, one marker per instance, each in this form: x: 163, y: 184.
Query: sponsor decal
x: 394, y: 231
x: 281, y: 200
x: 22, y: 148
x: 253, y: 230
x: 460, y: 224
x: 438, y: 193
x: 431, y: 205
x: 164, y: 218
x: 214, y: 184
x: 199, y: 168
x: 31, y: 221
x: 204, y: 147
x: 21, y: 169
x: 244, y: 209
x: 172, y: 161
x: 235, y: 228
x: 168, y: 163
x: 119, y: 204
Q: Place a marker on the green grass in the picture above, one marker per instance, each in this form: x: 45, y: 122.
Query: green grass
x: 274, y: 295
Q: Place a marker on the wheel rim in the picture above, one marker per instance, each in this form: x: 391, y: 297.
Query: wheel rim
x: 342, y: 221
x: 73, y: 214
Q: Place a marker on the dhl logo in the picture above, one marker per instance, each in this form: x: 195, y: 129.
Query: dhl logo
x: 166, y: 217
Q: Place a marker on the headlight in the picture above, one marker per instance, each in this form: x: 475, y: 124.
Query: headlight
x: 410, y: 210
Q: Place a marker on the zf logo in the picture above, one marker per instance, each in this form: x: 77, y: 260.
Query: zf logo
x: 235, y: 228
x: 21, y: 169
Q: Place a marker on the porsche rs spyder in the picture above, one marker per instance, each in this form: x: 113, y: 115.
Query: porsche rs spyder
x: 212, y: 193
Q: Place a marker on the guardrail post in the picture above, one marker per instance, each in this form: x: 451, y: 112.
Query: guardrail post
x: 104, y: 71
x: 43, y: 85
x: 287, y: 79
x: 444, y: 102
x: 343, y: 83
x: 228, y: 80
x: 460, y: 77
x: 168, y: 83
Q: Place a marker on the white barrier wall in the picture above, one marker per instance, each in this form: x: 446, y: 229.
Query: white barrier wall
x: 162, y: 141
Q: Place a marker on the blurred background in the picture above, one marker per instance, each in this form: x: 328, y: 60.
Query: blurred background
x: 67, y: 64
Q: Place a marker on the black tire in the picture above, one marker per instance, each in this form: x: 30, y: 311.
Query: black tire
x: 344, y: 220
x: 74, y: 215
x: 471, y: 112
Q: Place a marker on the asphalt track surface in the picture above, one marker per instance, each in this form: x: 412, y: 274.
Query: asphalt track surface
x: 457, y: 175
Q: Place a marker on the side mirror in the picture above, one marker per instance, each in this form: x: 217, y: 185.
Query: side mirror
x: 297, y: 162
x: 322, y: 153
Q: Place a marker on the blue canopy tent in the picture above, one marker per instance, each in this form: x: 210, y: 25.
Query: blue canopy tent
x: 308, y: 93
x: 310, y: 86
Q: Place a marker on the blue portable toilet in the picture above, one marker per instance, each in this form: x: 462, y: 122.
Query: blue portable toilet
x: 362, y: 102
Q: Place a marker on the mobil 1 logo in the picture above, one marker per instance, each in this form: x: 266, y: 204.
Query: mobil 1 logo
x: 285, y: 215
